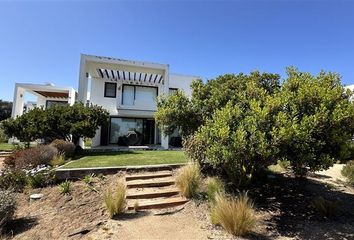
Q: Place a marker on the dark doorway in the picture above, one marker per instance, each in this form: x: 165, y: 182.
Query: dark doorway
x: 149, y: 131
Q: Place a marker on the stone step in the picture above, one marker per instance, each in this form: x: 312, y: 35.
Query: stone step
x: 150, y: 193
x: 158, y: 203
x: 155, y: 182
x: 148, y: 175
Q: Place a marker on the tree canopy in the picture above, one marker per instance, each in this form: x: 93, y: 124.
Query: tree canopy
x: 57, y: 122
x: 5, y: 109
x: 242, y: 123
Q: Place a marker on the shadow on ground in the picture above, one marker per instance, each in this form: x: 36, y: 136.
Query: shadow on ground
x: 19, y: 225
x: 290, y: 213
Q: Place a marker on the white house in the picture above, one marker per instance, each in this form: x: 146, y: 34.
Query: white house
x: 128, y: 90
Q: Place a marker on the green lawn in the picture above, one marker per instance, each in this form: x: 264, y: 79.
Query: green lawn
x: 128, y: 158
x: 6, y: 147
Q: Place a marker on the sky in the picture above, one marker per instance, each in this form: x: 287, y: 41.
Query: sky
x: 42, y: 41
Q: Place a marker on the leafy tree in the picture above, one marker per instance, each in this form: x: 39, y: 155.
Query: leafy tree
x: 5, y: 109
x: 57, y: 122
x: 316, y: 121
x: 177, y: 111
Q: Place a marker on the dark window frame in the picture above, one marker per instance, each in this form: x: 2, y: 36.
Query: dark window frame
x: 133, y: 85
x: 54, y: 101
x: 105, y: 89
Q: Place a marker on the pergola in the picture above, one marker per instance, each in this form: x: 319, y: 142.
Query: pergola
x: 43, y: 93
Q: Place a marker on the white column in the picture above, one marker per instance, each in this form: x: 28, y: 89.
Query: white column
x: 18, y: 102
x: 164, y: 139
x: 83, y: 81
x: 71, y: 97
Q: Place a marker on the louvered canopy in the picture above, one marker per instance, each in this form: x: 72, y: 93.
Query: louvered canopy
x: 131, y: 77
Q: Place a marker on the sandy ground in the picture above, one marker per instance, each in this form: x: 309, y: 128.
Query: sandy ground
x: 283, y: 207
x: 1, y: 162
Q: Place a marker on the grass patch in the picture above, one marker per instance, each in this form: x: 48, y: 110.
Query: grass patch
x: 128, y: 158
x: 6, y: 147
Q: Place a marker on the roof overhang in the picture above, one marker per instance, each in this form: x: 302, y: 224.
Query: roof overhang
x: 47, y: 91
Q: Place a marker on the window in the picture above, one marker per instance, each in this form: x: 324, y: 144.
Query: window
x: 110, y: 90
x: 172, y: 90
x: 138, y: 95
x: 50, y: 103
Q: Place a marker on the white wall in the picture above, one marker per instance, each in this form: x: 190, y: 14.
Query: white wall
x: 97, y: 96
x: 182, y: 82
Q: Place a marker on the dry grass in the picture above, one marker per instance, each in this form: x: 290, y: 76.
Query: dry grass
x: 115, y: 201
x: 325, y: 208
x: 236, y: 216
x: 214, y: 186
x: 188, y: 180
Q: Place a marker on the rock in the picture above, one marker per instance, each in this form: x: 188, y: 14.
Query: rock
x: 36, y: 196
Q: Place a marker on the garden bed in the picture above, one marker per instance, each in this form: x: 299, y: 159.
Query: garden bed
x: 283, y: 206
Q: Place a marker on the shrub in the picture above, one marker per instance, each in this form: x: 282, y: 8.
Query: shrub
x: 31, y: 157
x: 58, y: 160
x: 115, y: 201
x: 188, y: 180
x: 214, y: 186
x: 65, y: 187
x: 236, y: 216
x: 324, y: 207
x: 7, y: 207
x: 37, y: 180
x: 15, y: 179
x: 194, y: 147
x: 67, y: 148
x: 88, y: 179
x: 348, y: 172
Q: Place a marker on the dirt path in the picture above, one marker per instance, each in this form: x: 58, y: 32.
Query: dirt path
x: 145, y: 225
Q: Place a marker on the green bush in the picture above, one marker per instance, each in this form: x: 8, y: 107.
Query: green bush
x: 64, y: 147
x: 31, y: 157
x: 214, y: 186
x: 14, y: 179
x: 58, y: 160
x: 7, y: 207
x: 348, y: 172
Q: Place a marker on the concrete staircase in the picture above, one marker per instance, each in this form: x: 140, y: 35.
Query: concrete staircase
x: 154, y: 190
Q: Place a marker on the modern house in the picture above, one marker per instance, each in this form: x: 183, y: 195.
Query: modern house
x: 128, y: 90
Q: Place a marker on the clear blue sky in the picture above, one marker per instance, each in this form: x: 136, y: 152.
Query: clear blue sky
x: 41, y: 42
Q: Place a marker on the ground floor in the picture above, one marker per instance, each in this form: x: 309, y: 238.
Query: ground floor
x: 134, y: 131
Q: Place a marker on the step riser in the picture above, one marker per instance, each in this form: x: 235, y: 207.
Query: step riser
x: 152, y: 195
x: 157, y: 206
x: 129, y: 178
x: 148, y: 185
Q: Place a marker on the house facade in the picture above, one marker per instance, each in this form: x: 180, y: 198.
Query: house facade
x: 128, y: 90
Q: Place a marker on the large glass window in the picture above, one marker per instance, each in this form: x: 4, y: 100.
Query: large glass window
x: 138, y: 95
x: 50, y: 103
x: 128, y: 95
x: 124, y: 130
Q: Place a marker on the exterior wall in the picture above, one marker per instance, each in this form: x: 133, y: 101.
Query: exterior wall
x: 97, y: 96
x: 182, y: 82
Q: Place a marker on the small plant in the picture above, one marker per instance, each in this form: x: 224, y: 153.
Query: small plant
x: 188, y: 180
x: 37, y: 180
x: 236, y: 216
x: 324, y: 207
x: 214, y: 186
x: 136, y: 206
x: 58, y: 160
x: 65, y: 187
x: 7, y: 207
x: 348, y: 172
x: 88, y: 179
x: 115, y: 201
